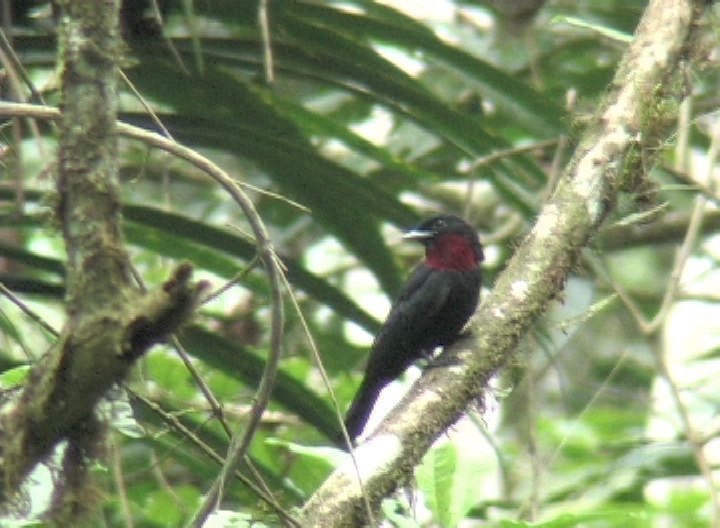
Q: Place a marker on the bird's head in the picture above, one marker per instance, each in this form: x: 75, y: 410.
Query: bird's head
x: 450, y: 243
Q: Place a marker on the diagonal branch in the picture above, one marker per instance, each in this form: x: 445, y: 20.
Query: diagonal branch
x: 632, y: 121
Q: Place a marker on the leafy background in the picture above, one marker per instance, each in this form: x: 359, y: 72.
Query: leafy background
x: 375, y: 117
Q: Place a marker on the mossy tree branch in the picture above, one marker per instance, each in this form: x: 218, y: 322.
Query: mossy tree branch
x: 109, y: 323
x: 634, y: 119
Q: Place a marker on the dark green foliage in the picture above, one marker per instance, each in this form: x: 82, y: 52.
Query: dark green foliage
x: 573, y: 444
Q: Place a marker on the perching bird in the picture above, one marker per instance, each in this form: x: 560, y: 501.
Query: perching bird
x: 431, y: 310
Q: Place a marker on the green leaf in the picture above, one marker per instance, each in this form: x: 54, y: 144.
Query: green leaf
x: 161, y: 506
x: 197, y: 461
x: 224, y: 112
x: 605, y: 31
x: 451, y: 481
x: 180, y: 237
x: 383, y: 24
x: 239, y: 362
x: 14, y: 377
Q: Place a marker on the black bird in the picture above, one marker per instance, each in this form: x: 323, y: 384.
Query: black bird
x: 431, y: 310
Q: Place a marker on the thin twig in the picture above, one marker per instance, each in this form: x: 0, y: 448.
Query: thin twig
x: 331, y: 392
x: 27, y: 310
x: 241, y: 442
x: 682, y: 151
x: 232, y: 282
x: 120, y: 483
x: 264, y: 22
x: 560, y: 151
x: 183, y: 431
x: 270, y: 194
x: 15, y: 92
x: 507, y: 153
x: 651, y: 328
x: 143, y: 102
x: 163, y: 482
x: 680, y: 260
x: 495, y: 157
x: 216, y: 408
x: 10, y: 109
x: 532, y: 447
x: 157, y: 13
x: 693, y: 437
x: 17, y: 64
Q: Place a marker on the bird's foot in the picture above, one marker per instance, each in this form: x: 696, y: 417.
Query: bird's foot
x: 442, y: 361
x: 427, y: 354
x: 460, y: 337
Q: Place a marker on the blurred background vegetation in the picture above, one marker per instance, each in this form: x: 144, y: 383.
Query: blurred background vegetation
x: 349, y: 121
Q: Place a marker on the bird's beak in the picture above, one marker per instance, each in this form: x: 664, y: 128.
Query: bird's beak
x: 418, y: 234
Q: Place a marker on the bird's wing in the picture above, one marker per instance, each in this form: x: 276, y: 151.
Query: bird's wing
x: 424, y: 294
x: 396, y: 345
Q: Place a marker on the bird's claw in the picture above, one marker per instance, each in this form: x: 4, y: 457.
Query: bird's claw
x: 443, y: 361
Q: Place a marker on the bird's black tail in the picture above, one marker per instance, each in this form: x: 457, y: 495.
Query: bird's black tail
x: 361, y: 406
